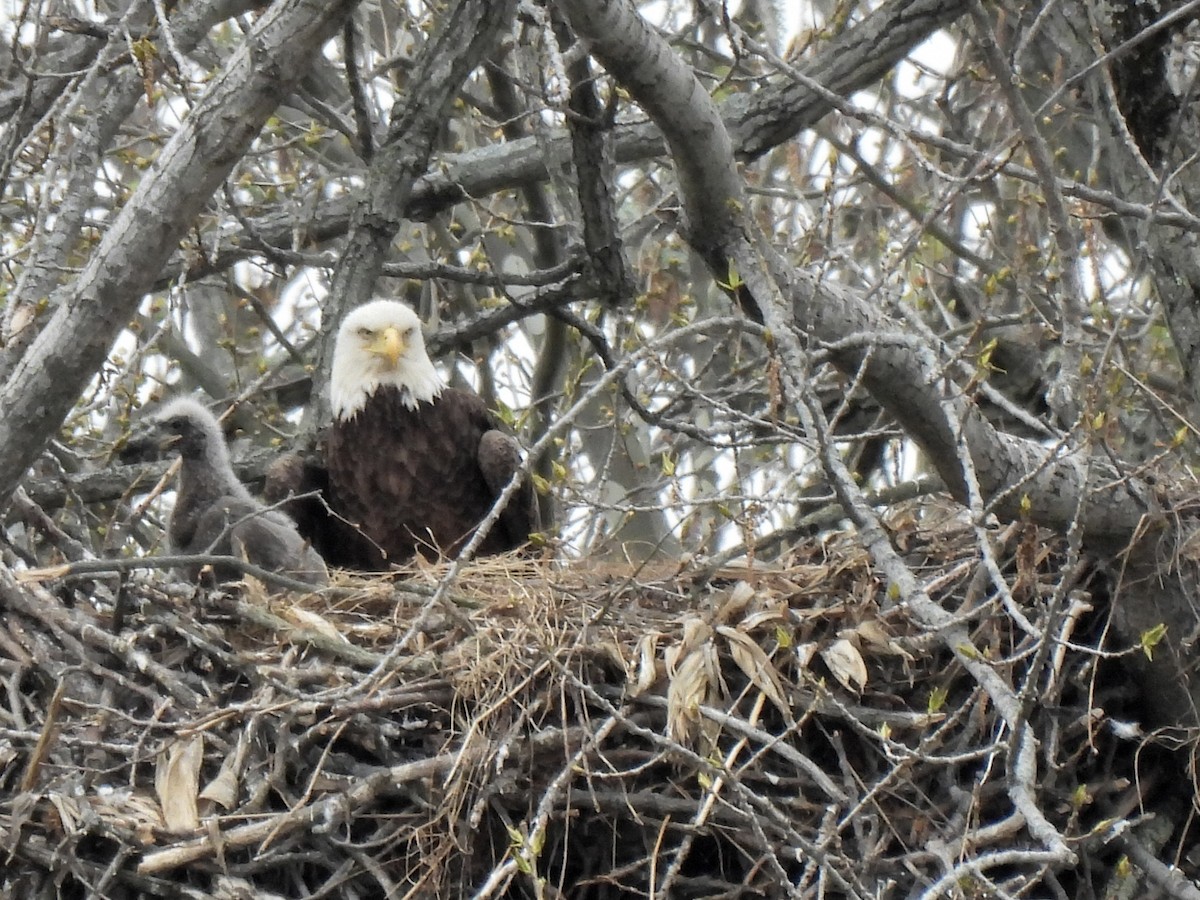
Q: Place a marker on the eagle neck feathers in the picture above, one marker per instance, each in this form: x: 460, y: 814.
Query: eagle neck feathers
x: 413, y: 384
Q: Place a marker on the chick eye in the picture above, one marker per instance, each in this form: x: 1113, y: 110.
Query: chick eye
x: 176, y: 424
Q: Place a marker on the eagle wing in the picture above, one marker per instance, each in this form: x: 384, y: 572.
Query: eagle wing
x: 411, y: 481
x: 499, y: 459
x: 413, y: 476
x: 467, y: 423
x: 299, y: 486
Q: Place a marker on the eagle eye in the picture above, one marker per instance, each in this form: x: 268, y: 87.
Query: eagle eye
x: 365, y: 332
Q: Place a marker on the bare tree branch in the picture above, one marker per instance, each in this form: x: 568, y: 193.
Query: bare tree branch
x: 911, y: 382
x: 102, y: 299
x: 464, y: 38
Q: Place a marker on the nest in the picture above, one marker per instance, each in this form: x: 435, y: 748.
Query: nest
x: 528, y: 729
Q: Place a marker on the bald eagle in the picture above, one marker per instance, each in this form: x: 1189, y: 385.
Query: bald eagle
x: 214, y: 513
x: 410, y: 465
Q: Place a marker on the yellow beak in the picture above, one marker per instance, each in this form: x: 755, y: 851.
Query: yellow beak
x: 389, y: 344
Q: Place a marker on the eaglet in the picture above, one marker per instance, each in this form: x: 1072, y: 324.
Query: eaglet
x: 214, y: 513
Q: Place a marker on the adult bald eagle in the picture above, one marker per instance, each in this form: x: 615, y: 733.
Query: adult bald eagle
x: 214, y: 513
x: 411, y: 466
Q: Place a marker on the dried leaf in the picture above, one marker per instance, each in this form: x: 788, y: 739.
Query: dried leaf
x: 846, y: 664
x: 647, y: 664
x: 878, y: 637
x: 177, y: 782
x: 223, y: 789
x: 761, y: 618
x: 695, y: 632
x: 756, y: 665
x: 735, y: 602
x: 308, y: 619
x: 687, y: 689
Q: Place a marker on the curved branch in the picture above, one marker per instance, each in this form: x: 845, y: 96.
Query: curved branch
x: 1017, y: 476
x: 758, y: 122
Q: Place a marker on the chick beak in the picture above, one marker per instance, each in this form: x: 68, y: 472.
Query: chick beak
x: 390, y: 345
x: 145, y: 444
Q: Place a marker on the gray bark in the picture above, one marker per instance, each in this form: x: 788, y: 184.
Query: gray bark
x: 104, y: 99
x: 755, y: 124
x: 465, y: 37
x: 907, y: 377
x: 91, y: 311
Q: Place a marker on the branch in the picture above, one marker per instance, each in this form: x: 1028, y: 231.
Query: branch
x: 849, y: 62
x: 908, y: 380
x: 860, y: 56
x: 183, y: 560
x: 91, y: 312
x: 465, y: 35
x: 108, y: 92
x: 701, y: 148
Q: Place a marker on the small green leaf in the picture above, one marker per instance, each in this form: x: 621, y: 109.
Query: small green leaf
x: 668, y: 465
x: 970, y: 651
x: 1151, y: 639
x: 937, y: 699
x: 985, y: 355
x: 1080, y: 797
x: 735, y: 280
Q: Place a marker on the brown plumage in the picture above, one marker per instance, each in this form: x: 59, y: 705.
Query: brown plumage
x: 214, y: 513
x: 409, y: 466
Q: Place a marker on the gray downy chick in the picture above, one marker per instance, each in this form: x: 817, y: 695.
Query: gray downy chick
x: 214, y: 513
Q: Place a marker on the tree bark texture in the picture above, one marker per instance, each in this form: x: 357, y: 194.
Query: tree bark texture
x: 92, y: 310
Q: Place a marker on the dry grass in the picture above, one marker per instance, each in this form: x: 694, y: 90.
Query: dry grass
x: 540, y: 730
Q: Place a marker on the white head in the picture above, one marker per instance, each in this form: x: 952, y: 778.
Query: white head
x: 380, y: 344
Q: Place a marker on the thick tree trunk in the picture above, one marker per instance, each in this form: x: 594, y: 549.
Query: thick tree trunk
x: 91, y: 311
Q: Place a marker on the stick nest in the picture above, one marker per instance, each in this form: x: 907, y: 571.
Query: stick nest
x: 584, y: 730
